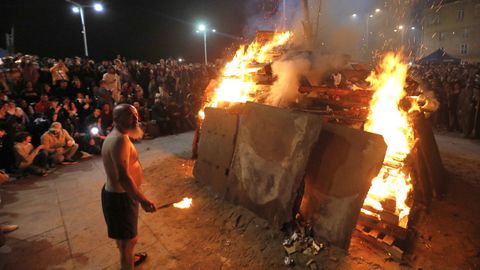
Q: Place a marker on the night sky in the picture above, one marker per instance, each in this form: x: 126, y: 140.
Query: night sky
x: 141, y: 29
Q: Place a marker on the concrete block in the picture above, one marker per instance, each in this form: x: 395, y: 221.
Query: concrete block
x: 272, y: 149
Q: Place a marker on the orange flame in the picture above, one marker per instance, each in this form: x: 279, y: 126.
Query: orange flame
x: 237, y: 84
x: 185, y: 203
x: 387, y: 119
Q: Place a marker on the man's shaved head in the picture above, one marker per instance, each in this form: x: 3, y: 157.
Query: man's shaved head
x: 125, y: 117
x: 122, y: 113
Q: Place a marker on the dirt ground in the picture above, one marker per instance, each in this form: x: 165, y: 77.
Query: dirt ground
x: 224, y: 236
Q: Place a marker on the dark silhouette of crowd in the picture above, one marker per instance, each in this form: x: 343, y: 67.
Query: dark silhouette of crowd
x: 457, y: 89
x: 57, y: 111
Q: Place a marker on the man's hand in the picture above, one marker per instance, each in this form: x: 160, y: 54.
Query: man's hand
x: 148, y: 206
x: 40, y: 147
x: 70, y: 143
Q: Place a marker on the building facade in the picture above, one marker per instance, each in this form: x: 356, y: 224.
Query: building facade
x: 453, y: 26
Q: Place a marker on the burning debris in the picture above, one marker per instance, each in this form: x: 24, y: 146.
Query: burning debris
x: 341, y: 158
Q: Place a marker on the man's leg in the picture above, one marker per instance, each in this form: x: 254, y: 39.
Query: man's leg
x: 127, y: 257
x: 70, y: 151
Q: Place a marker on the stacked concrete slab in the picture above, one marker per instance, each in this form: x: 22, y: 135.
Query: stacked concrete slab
x: 259, y: 157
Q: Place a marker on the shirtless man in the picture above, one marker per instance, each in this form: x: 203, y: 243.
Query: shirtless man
x: 121, y: 194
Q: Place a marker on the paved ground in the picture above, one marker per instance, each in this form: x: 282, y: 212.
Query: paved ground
x: 62, y: 227
x: 60, y: 219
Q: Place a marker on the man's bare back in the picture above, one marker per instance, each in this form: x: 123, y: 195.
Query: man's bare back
x: 116, y: 149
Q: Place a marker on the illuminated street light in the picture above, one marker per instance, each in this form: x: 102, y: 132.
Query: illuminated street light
x: 98, y: 7
x: 180, y: 60
x: 413, y: 27
x: 78, y: 8
x: 377, y: 10
x: 354, y: 15
x: 400, y: 27
x: 203, y: 28
x: 371, y: 16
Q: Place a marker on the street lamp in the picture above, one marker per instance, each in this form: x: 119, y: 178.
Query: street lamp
x: 202, y: 28
x: 78, y: 8
x: 354, y: 15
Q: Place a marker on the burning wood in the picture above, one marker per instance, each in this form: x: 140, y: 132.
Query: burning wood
x: 185, y: 203
x: 237, y: 83
x: 389, y: 120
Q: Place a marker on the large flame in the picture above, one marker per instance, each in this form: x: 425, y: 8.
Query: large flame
x: 388, y: 119
x: 237, y: 84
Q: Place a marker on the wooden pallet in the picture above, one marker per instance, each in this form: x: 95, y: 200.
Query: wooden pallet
x: 381, y: 240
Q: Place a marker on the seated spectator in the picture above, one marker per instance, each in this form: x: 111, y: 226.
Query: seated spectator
x: 76, y: 88
x: 159, y: 115
x: 30, y: 94
x: 61, y: 90
x: 59, y: 144
x: 43, y: 105
x: 93, y: 119
x: 45, y: 89
x: 28, y: 158
x: 107, y: 118
x: 27, y: 108
x: 93, y: 137
x: 84, y: 107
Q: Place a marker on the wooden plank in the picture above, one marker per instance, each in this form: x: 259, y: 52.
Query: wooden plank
x: 382, y: 226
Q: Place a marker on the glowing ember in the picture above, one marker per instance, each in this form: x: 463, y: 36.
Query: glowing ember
x: 386, y: 118
x: 185, y: 203
x: 237, y: 84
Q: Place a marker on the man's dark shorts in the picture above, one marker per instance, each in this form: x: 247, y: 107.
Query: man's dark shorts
x: 121, y: 215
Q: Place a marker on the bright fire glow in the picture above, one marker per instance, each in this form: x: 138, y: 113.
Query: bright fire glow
x: 237, y: 83
x: 185, y: 203
x: 387, y: 119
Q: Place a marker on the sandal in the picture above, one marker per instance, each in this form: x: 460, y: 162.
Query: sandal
x: 140, y: 258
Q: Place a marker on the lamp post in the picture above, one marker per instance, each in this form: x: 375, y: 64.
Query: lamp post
x: 202, y: 28
x: 78, y: 8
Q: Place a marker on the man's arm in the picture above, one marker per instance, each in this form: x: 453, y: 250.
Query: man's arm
x: 121, y: 156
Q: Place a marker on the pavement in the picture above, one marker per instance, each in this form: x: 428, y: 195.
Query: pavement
x: 60, y: 217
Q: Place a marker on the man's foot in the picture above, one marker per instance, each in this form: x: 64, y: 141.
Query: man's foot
x: 140, y: 258
x: 8, y: 228
x: 68, y: 161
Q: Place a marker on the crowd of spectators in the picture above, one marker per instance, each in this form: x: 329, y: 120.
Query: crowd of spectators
x: 457, y: 88
x: 56, y: 111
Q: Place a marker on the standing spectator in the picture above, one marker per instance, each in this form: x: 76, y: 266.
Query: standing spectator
x: 29, y: 93
x: 30, y: 72
x: 59, y: 144
x: 103, y: 95
x: 112, y: 83
x: 59, y: 72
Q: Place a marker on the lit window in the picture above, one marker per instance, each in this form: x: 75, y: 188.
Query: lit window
x: 460, y: 15
x: 463, y: 49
